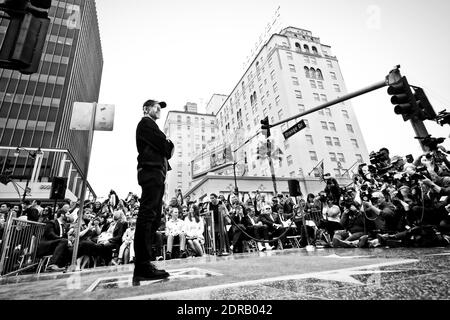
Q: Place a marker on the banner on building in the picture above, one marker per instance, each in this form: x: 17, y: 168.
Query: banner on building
x: 82, y: 114
x: 216, y: 159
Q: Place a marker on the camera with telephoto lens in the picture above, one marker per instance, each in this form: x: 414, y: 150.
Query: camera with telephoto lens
x: 420, y: 174
x: 379, y: 161
x: 366, y: 193
x: 431, y: 142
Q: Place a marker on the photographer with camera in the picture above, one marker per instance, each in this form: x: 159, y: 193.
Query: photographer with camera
x: 381, y: 213
x: 356, y: 226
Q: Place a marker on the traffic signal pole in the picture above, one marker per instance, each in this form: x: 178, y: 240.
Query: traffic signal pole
x: 346, y: 97
x: 420, y: 130
x: 272, y: 169
x: 394, y: 77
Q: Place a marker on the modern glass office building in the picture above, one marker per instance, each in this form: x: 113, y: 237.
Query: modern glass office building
x: 35, y: 110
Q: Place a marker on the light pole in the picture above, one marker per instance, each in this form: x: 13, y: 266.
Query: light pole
x: 236, y: 190
x: 32, y: 155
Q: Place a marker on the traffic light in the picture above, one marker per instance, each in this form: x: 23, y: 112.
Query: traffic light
x: 403, y: 98
x: 26, y: 34
x: 427, y: 111
x: 265, y: 127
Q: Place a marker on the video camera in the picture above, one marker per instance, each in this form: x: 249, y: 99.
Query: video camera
x: 379, y: 161
x: 431, y: 142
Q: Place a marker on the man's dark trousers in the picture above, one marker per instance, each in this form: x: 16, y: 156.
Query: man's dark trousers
x: 149, y: 216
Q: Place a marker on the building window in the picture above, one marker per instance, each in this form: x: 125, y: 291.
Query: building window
x: 333, y: 75
x: 321, y: 112
x: 292, y: 68
x: 345, y: 114
x: 337, y: 142
x: 350, y: 128
x: 280, y: 114
x: 320, y: 84
x: 319, y: 74
x: 328, y: 141
x: 341, y: 157
x: 324, y: 125
x: 290, y: 162
x: 324, y: 97
x: 298, y: 94
x: 286, y: 144
x: 329, y: 64
x: 289, y: 55
x: 312, y: 73
x: 295, y: 81
x: 306, y: 123
x: 272, y: 74
x: 277, y: 100
x: 333, y: 156
x: 306, y: 72
x: 359, y: 158
x: 314, y: 50
x: 336, y: 88
x: 337, y: 173
x: 306, y: 60
x: 180, y: 174
x: 179, y: 119
x: 313, y: 84
x: 301, y: 108
x: 309, y: 139
x: 313, y: 155
x: 275, y: 87
x: 316, y: 96
x: 306, y: 48
x: 328, y: 112
x: 332, y: 126
x: 354, y: 143
x: 313, y: 60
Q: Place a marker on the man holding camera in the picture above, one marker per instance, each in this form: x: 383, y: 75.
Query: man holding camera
x: 154, y: 152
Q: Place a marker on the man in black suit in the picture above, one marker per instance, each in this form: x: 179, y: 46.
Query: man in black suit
x: 55, y: 242
x: 272, y: 221
x: 257, y: 229
x: 154, y: 152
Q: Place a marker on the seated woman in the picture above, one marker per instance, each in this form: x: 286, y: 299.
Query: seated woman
x: 193, y: 228
x: 174, y: 230
x: 127, y: 242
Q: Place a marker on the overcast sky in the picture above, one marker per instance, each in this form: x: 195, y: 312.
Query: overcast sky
x: 180, y: 51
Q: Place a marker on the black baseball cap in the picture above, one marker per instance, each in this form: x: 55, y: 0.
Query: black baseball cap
x: 151, y: 103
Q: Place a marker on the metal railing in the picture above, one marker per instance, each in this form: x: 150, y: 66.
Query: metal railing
x: 19, y: 246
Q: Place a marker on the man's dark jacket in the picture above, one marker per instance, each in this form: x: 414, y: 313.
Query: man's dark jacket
x: 153, y: 147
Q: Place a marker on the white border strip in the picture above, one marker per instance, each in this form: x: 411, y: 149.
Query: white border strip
x: 174, y: 294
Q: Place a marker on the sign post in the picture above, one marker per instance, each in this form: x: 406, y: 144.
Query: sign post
x: 88, y: 117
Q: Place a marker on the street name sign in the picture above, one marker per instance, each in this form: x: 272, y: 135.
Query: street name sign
x: 293, y: 130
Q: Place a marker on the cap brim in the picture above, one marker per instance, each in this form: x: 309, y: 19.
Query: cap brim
x: 162, y: 104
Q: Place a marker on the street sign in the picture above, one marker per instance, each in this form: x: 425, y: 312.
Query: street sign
x: 293, y: 130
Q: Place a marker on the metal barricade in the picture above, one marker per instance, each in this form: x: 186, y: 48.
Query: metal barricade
x: 209, y: 234
x: 19, y: 246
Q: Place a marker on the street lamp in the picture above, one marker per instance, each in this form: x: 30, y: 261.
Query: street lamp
x: 32, y: 155
x: 236, y: 190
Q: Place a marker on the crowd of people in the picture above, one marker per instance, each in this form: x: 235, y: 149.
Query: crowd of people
x: 393, y: 201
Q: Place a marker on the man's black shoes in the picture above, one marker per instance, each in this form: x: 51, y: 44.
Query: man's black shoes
x: 148, y: 272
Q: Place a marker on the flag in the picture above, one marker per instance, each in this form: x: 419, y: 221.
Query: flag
x: 321, y: 169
